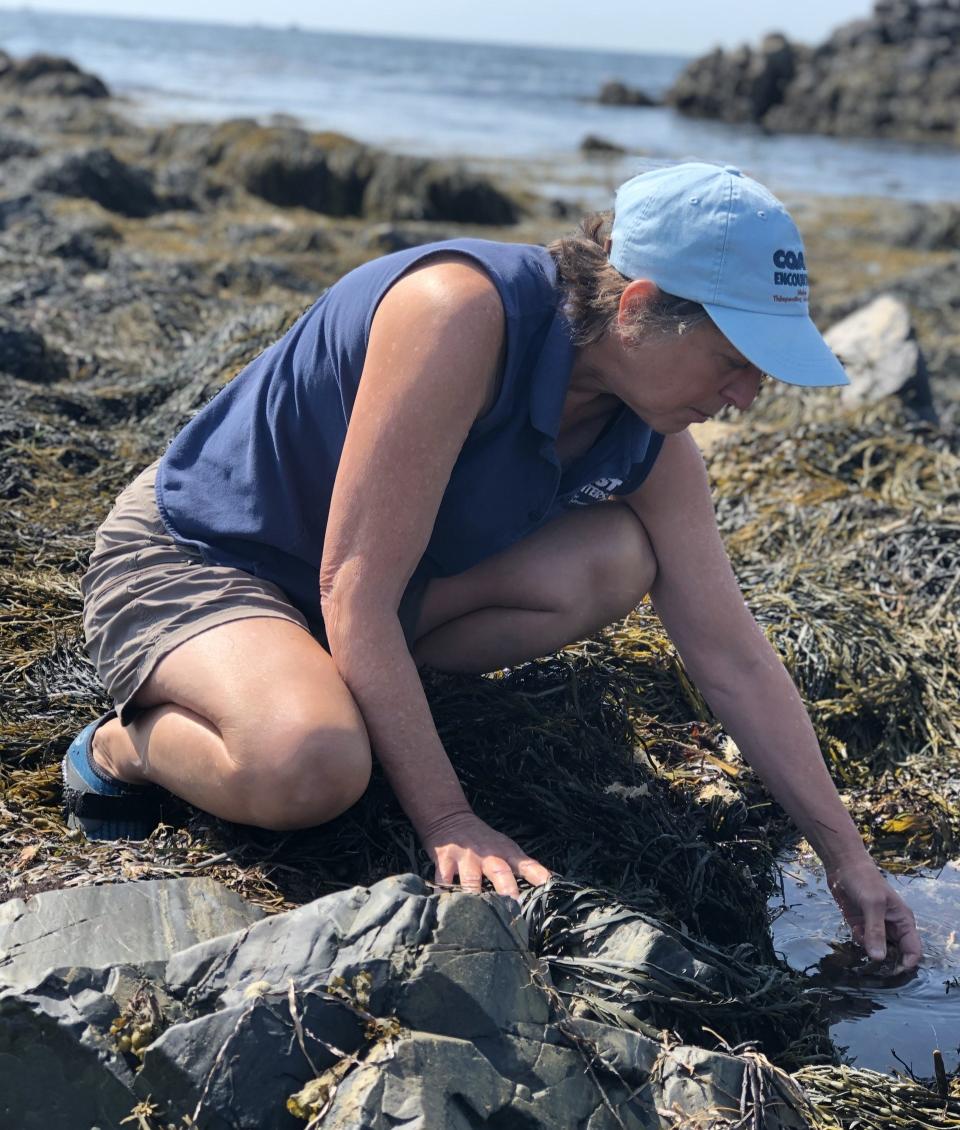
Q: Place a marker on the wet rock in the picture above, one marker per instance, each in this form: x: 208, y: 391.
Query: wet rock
x: 600, y: 146
x: 25, y: 354
x: 113, y: 924
x: 880, y: 352
x: 895, y: 74
x: 617, y: 93
x: 50, y: 76
x: 100, y: 176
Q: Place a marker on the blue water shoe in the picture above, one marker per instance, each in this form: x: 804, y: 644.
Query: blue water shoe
x: 102, y: 806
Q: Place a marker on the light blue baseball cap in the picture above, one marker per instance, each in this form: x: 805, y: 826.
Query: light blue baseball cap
x: 717, y: 237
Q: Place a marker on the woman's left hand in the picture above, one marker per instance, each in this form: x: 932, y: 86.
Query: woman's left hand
x: 875, y: 913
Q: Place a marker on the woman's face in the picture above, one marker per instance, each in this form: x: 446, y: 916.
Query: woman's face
x: 674, y: 381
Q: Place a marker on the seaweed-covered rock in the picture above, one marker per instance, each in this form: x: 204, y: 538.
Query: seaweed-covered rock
x: 100, y: 176
x: 406, y: 188
x: 333, y: 174
x: 50, y: 76
x: 25, y: 354
x: 13, y: 145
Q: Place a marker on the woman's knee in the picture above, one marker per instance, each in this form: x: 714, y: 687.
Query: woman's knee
x: 301, y: 773
x: 617, y: 565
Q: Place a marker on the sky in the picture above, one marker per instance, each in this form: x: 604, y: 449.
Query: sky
x: 685, y: 27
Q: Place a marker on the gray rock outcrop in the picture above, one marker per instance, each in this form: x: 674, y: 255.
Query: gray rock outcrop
x: 109, y: 925
x: 371, y: 1007
x: 895, y: 74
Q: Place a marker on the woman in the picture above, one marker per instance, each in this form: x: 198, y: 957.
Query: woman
x: 464, y: 455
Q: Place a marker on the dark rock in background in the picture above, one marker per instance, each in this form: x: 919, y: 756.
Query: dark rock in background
x: 925, y: 227
x: 738, y: 86
x: 617, y: 93
x: 11, y: 145
x: 25, y: 354
x: 600, y: 146
x: 328, y: 173
x: 100, y: 176
x: 895, y: 74
x: 49, y: 76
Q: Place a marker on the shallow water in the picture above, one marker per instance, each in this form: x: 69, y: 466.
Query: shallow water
x: 877, y: 1019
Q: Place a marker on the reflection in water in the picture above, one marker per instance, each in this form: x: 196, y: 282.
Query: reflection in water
x: 879, y: 1019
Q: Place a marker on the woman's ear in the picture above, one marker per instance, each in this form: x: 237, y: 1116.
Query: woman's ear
x: 637, y: 294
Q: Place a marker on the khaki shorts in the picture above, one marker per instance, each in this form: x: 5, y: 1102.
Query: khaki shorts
x: 144, y: 593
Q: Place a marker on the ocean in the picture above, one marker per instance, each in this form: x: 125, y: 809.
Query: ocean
x: 489, y: 104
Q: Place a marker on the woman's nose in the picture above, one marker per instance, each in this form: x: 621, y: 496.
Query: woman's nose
x: 742, y: 390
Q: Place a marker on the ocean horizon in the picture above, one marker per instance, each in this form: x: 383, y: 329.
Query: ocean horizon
x: 490, y: 104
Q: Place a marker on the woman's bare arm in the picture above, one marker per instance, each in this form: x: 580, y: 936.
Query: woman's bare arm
x: 697, y: 597
x: 431, y: 370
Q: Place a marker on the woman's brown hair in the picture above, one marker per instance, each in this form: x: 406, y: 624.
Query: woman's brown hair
x: 592, y: 289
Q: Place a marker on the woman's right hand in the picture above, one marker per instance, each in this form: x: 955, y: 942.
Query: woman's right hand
x: 463, y: 845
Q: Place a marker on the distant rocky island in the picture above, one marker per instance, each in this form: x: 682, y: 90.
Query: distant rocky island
x: 895, y: 74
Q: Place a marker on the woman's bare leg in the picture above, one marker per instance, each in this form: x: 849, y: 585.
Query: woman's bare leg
x: 580, y: 572
x: 251, y: 722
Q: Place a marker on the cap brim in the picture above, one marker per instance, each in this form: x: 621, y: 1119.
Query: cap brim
x: 788, y: 347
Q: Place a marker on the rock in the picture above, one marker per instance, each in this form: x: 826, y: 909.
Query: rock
x: 617, y: 93
x: 879, y: 350
x: 330, y: 173
x: 370, y: 1007
x: 407, y: 188
x: 50, y: 76
x: 286, y: 167
x: 896, y: 74
x: 384, y: 238
x: 25, y: 354
x: 256, y: 273
x: 925, y: 227
x: 100, y: 176
x: 113, y: 924
x: 11, y: 145
x: 737, y: 86
x: 600, y: 146
x: 58, y: 1070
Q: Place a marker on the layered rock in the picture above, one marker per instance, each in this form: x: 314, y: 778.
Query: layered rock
x: 371, y: 1007
x: 894, y: 75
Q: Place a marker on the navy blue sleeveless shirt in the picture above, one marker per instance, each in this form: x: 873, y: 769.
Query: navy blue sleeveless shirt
x: 247, y: 482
